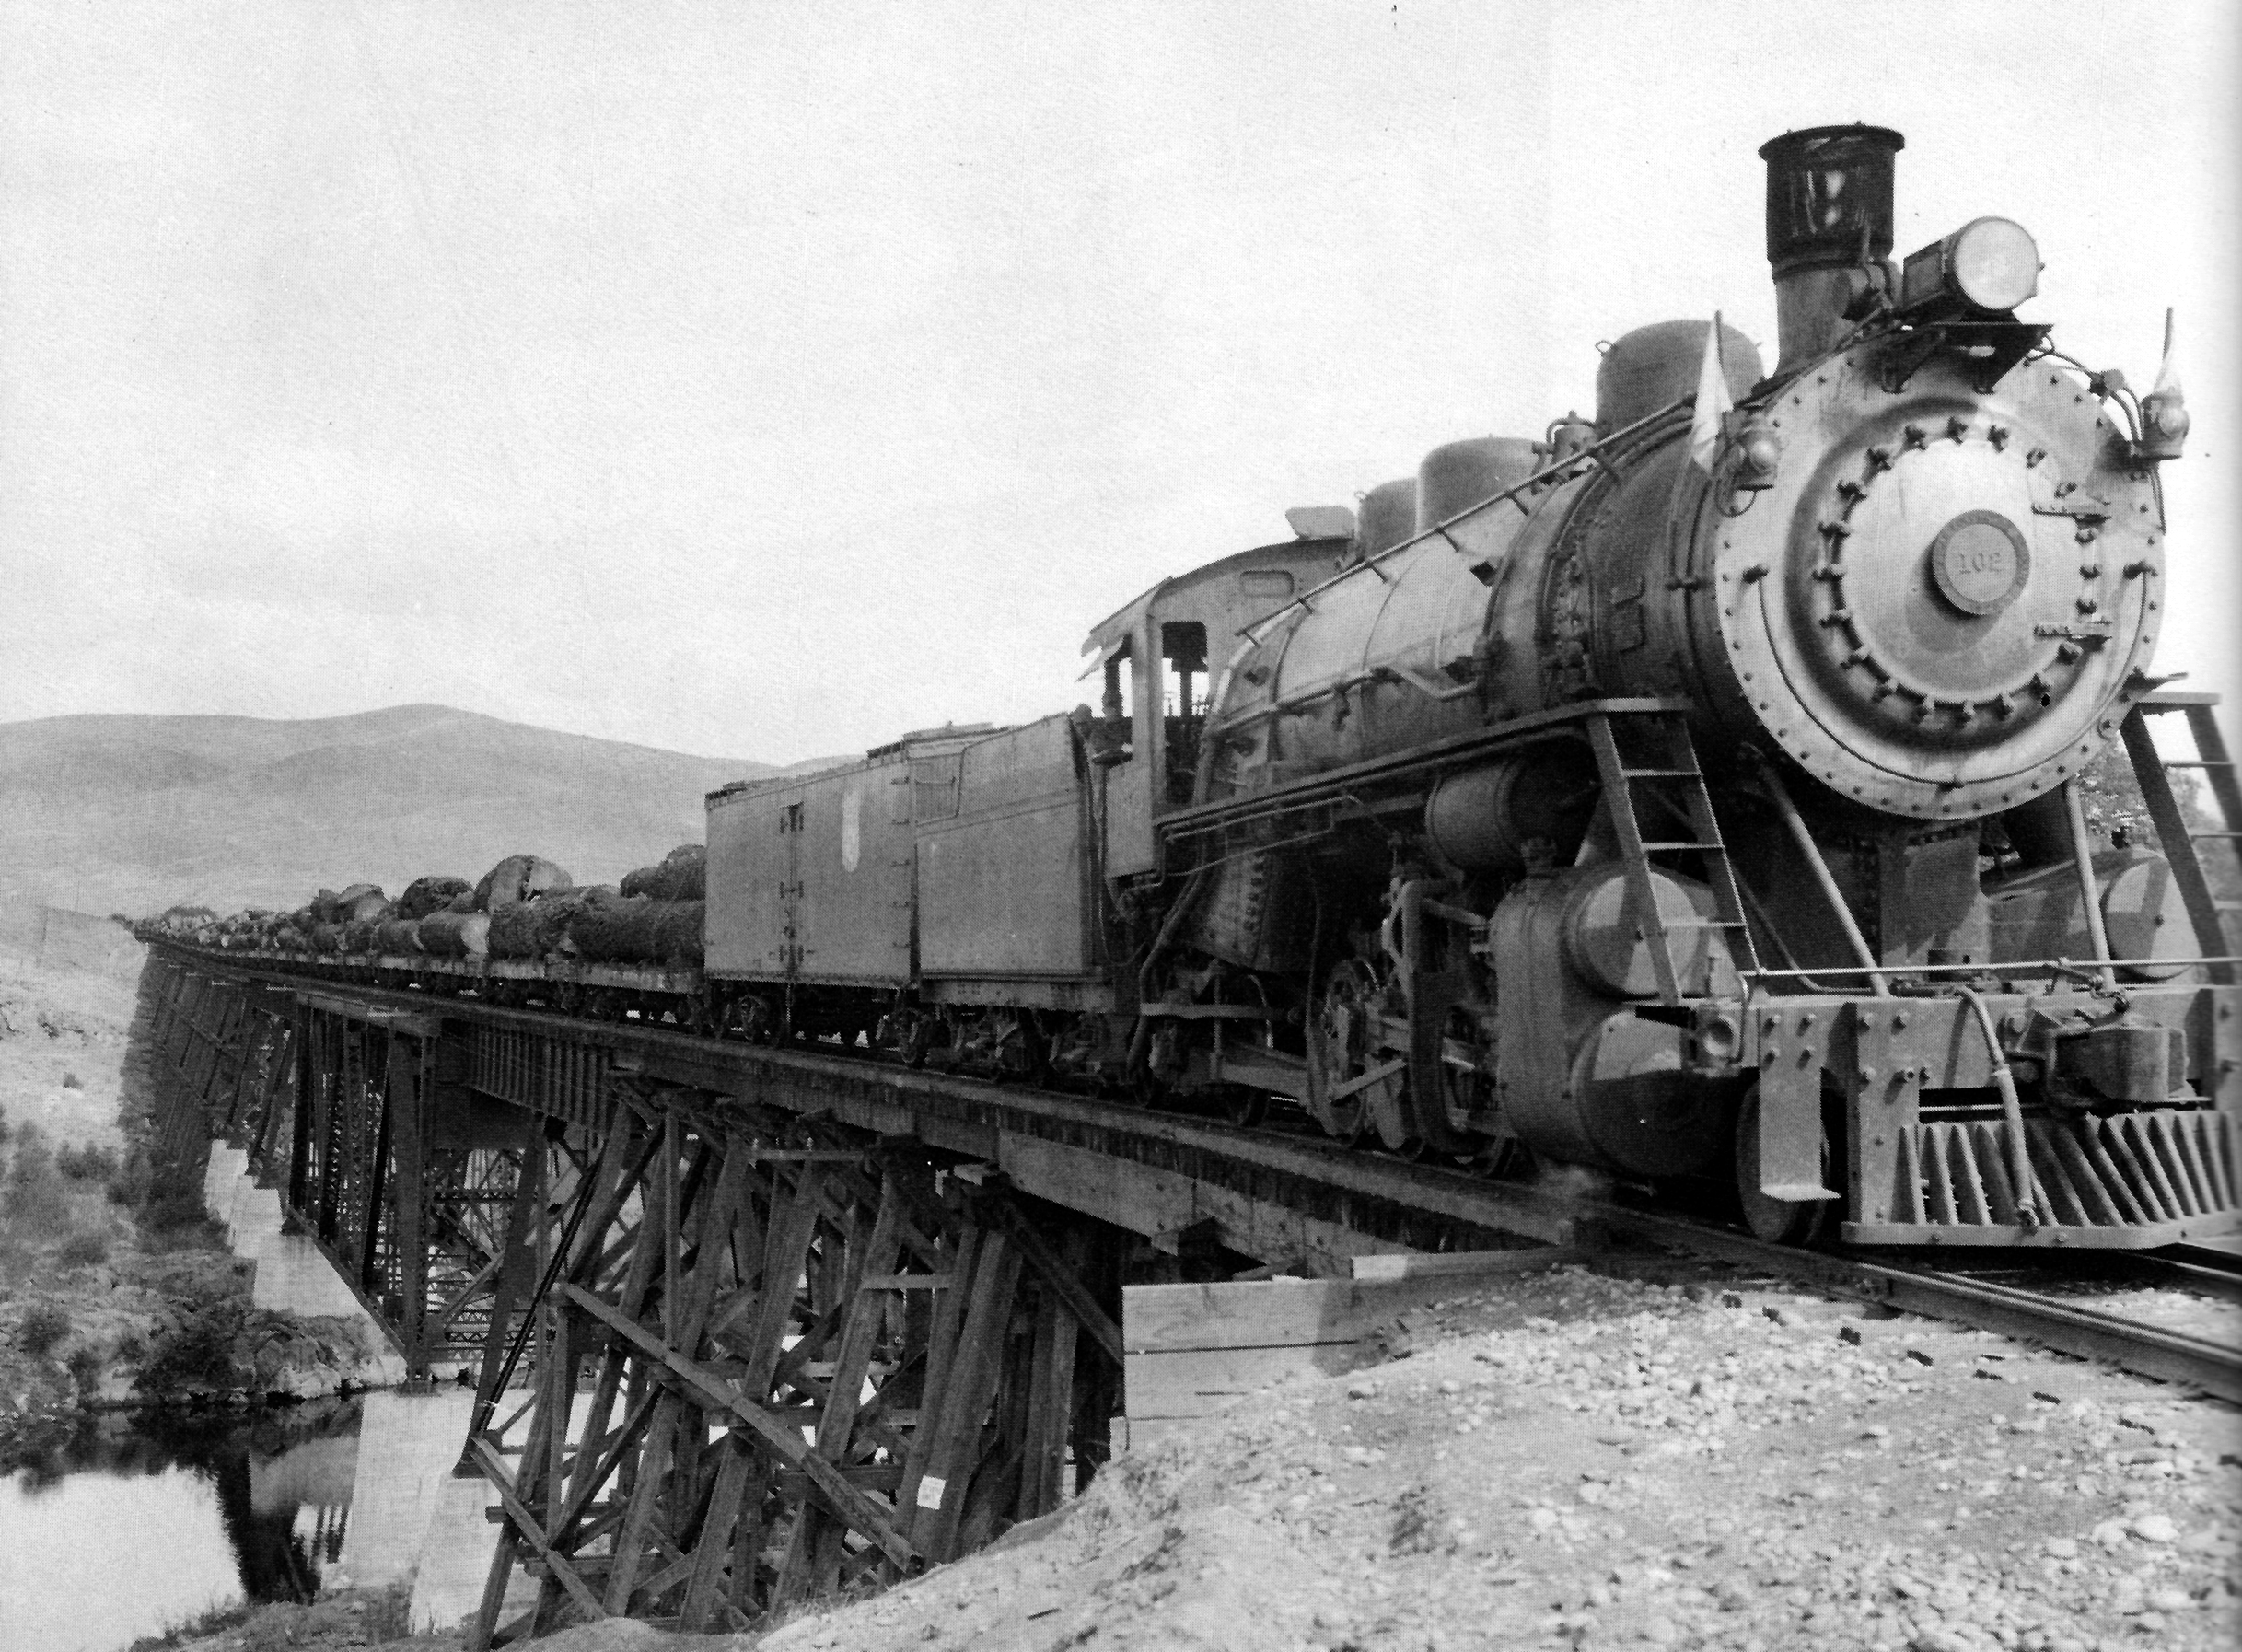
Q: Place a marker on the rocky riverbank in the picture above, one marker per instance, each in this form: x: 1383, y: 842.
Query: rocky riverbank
x: 115, y: 1289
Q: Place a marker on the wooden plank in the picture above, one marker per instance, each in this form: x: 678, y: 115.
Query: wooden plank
x: 1128, y: 1195
x: 646, y: 1497
x: 781, y: 1440
x: 1052, y: 1268
x: 525, y: 1523
x: 786, y: 1244
x: 484, y: 1623
x: 1416, y: 1264
x: 1141, y: 1433
x: 1267, y: 1313
x: 1202, y: 1380
x: 940, y: 1490
x: 813, y: 1550
x: 1275, y: 1313
x: 1049, y: 1408
x: 941, y: 1351
x: 1147, y: 1200
x: 598, y: 1456
x: 712, y: 1230
x: 703, y: 1602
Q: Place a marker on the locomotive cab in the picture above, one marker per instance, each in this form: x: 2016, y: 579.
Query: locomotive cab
x: 1161, y: 658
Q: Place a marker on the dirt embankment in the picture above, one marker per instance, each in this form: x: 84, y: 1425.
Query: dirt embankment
x: 1572, y: 1461
x: 114, y: 1288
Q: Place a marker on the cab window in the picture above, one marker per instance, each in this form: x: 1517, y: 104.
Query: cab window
x: 1184, y: 691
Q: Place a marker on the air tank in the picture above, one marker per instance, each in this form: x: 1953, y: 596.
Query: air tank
x: 1489, y: 818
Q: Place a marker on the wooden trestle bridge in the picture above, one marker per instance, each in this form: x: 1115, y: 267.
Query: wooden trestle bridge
x: 748, y: 1325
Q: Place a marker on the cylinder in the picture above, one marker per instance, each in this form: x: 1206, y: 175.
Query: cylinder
x: 1607, y: 948
x: 1485, y: 820
x: 1458, y: 475
x: 1654, y: 367
x: 1389, y: 516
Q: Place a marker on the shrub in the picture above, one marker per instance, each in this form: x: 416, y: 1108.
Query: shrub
x: 129, y: 1188
x: 176, y: 1221
x: 93, y: 1162
x: 32, y: 1198
x: 41, y: 1329
x: 84, y: 1366
x: 204, y: 1626
x: 84, y: 1250
x: 198, y: 1352
x: 389, y: 1615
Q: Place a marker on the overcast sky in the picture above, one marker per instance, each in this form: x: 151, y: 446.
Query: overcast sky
x: 764, y: 380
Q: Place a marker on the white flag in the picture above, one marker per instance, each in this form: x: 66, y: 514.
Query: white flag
x: 2168, y: 373
x: 1712, y: 403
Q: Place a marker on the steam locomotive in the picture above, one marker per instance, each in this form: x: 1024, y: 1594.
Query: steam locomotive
x: 1692, y: 792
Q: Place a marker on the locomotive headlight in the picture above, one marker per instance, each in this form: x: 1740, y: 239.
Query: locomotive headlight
x: 1987, y: 267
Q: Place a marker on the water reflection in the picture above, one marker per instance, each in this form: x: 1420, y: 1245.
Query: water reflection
x: 125, y: 1525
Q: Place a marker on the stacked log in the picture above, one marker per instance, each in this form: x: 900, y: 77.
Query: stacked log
x: 638, y: 929
x: 517, y: 878
x: 456, y: 934
x: 682, y: 876
x: 424, y: 895
x: 514, y: 930
x: 359, y: 902
x: 525, y: 907
x: 399, y: 936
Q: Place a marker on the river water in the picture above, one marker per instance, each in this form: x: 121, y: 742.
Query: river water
x: 135, y: 1523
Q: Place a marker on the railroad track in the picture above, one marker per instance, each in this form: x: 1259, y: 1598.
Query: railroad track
x: 1452, y: 1195
x: 2007, y: 1309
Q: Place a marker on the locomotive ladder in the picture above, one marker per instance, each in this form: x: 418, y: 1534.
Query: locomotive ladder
x: 2206, y: 911
x: 1672, y: 765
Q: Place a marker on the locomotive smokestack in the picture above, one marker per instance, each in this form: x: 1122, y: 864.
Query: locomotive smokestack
x: 1829, y: 229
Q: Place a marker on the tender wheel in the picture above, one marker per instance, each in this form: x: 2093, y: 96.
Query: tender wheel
x: 1778, y: 1221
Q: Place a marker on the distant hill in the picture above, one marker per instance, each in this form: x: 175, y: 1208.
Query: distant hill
x: 132, y: 814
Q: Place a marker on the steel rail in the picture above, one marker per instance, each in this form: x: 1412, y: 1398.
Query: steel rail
x: 958, y: 1113
x: 2086, y: 1333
